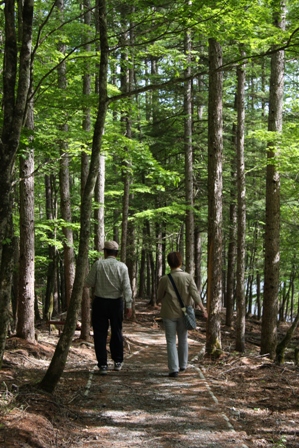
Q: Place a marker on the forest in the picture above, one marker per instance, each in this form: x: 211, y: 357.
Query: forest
x: 163, y: 125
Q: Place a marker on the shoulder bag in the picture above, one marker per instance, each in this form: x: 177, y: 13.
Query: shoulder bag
x: 188, y: 311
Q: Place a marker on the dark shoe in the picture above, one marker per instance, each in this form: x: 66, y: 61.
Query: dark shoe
x: 174, y: 374
x: 182, y: 369
x: 103, y: 370
x: 118, y: 366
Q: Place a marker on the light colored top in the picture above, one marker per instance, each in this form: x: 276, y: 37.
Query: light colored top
x: 171, y: 308
x: 110, y: 280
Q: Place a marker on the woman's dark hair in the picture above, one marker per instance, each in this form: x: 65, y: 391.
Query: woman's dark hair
x: 174, y: 259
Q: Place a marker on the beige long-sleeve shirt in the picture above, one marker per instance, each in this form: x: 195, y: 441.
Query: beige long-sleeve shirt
x: 187, y: 288
x: 110, y: 280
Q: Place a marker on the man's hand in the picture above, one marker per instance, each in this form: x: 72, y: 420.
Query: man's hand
x: 128, y: 313
x: 205, y: 314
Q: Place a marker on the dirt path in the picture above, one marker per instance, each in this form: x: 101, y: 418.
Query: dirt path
x: 239, y: 400
x: 142, y: 406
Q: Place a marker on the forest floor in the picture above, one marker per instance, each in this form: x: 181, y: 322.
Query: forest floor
x: 234, y: 401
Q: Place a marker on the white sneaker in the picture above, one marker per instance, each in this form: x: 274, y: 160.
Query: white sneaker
x: 103, y: 370
x: 118, y: 366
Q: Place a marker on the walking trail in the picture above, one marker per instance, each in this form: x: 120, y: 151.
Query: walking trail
x: 237, y: 401
x: 142, y: 407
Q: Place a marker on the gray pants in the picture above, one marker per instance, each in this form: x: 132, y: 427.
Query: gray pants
x: 177, y: 355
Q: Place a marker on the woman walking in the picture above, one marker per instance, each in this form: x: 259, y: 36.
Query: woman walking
x: 172, y: 314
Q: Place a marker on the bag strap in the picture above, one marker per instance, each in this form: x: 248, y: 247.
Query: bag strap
x: 176, y: 290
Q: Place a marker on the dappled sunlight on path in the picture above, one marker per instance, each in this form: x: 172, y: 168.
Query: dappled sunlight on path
x: 142, y: 406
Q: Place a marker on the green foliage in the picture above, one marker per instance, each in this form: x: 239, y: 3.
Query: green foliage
x: 153, y: 155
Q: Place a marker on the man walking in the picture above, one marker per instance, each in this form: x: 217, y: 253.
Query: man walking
x: 110, y: 281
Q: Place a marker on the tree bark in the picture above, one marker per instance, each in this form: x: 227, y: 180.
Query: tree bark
x: 231, y: 263
x: 51, y: 296
x: 126, y: 86
x: 99, y: 214
x: 232, y: 242
x: 26, y: 299
x: 240, y: 277
x: 58, y: 362
x: 272, y: 221
x: 16, y: 82
x: 86, y: 125
x: 5, y: 282
x: 64, y: 180
x: 189, y: 220
x: 159, y: 252
x: 197, y: 258
x: 215, y: 146
x: 281, y: 347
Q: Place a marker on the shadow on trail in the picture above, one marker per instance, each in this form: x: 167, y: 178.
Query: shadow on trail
x: 142, y: 406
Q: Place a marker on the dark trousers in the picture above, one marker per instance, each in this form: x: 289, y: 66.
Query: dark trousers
x: 103, y: 312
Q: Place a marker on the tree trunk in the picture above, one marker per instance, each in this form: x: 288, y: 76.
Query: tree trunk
x: 151, y: 272
x: 272, y: 222
x: 197, y: 258
x: 126, y: 86
x: 181, y: 244
x: 142, y: 276
x: 58, y: 362
x: 258, y: 295
x: 66, y: 214
x: 16, y: 278
x: 281, y: 347
x: 99, y: 211
x: 25, y: 314
x: 215, y: 144
x: 51, y: 296
x: 159, y: 252
x: 231, y: 262
x: 131, y: 261
x: 251, y: 262
x: 64, y: 179
x: 292, y: 295
x: 240, y: 277
x: 125, y: 211
x: 86, y: 125
x: 100, y: 185
x: 143, y: 265
x: 188, y: 160
x: 14, y: 102
x: 5, y: 282
x: 232, y: 243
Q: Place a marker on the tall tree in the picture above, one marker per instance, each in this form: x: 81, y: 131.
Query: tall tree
x: 126, y: 81
x: 99, y: 197
x: 25, y: 307
x: 64, y: 178
x: 232, y: 241
x: 240, y: 277
x: 188, y: 157
x: 16, y: 82
x: 51, y: 295
x: 215, y: 147
x: 272, y: 223
x: 58, y: 362
x: 99, y: 213
x: 86, y: 125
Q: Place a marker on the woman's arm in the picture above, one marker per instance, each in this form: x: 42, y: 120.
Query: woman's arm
x: 161, y: 290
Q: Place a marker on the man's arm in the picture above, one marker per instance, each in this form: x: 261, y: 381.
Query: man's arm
x: 127, y: 292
